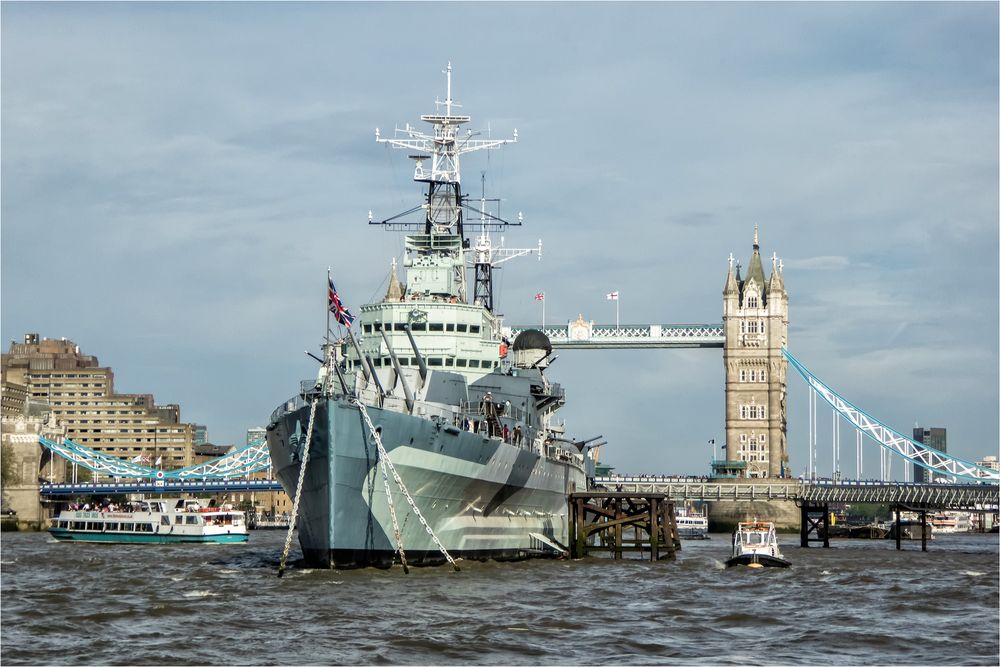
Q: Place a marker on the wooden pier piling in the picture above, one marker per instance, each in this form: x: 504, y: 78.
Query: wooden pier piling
x: 815, y: 519
x: 599, y: 521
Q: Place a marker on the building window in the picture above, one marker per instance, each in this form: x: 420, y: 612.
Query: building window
x: 743, y: 375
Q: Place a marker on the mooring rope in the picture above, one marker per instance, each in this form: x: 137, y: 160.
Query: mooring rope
x: 384, y: 458
x: 298, y: 488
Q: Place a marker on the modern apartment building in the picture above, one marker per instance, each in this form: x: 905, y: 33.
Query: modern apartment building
x: 932, y: 437
x: 82, y: 396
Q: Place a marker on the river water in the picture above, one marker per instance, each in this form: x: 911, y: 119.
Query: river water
x: 857, y: 603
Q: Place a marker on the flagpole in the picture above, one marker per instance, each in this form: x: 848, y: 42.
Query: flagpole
x: 543, y: 310
x: 327, y: 308
x: 617, y: 326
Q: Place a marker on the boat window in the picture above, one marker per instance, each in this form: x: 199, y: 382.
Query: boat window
x: 400, y: 326
x: 64, y: 524
x: 192, y: 520
x: 418, y: 326
x: 111, y: 526
x: 178, y: 519
x: 128, y: 527
x: 461, y: 363
x: 93, y: 525
x: 165, y: 520
x: 461, y: 328
x: 449, y: 362
x: 78, y: 525
x: 434, y: 361
x: 449, y: 327
x: 414, y: 362
x: 367, y: 328
x: 473, y: 363
x: 473, y: 328
x: 146, y: 527
x: 404, y: 361
x: 436, y: 326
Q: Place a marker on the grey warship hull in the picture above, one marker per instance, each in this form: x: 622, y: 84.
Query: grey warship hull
x: 464, y: 417
x: 484, y: 498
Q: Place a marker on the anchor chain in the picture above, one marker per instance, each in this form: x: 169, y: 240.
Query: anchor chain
x: 392, y: 514
x: 298, y: 487
x: 384, y: 457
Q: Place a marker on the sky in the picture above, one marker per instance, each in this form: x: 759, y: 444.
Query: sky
x: 176, y: 179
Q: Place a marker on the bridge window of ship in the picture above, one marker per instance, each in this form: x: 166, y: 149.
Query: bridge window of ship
x: 461, y: 328
x: 367, y: 328
x: 473, y: 328
x: 436, y: 326
x: 473, y: 363
x: 461, y: 363
x: 191, y: 520
x: 435, y: 361
x: 449, y: 327
x: 449, y: 361
x: 418, y: 326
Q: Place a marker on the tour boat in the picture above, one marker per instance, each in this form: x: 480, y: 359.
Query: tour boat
x: 161, y: 521
x: 755, y: 545
x: 692, y: 526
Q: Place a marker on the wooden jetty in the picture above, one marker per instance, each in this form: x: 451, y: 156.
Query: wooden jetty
x: 623, y: 521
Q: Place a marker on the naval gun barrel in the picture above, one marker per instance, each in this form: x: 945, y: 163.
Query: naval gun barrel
x: 399, y: 373
x: 420, y: 357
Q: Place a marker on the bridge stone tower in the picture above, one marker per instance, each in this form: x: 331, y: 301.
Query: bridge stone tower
x: 755, y: 320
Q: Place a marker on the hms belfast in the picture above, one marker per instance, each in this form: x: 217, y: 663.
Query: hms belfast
x: 427, y: 437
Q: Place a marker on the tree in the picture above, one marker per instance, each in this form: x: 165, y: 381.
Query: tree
x: 8, y: 466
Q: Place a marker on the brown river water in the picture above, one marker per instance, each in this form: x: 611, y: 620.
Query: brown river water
x: 858, y: 603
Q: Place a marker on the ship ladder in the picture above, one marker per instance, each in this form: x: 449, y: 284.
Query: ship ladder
x: 386, y: 462
x: 298, y: 488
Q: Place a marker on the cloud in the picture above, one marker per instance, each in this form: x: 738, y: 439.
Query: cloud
x: 821, y: 263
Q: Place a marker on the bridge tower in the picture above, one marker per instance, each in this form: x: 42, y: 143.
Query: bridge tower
x: 755, y: 322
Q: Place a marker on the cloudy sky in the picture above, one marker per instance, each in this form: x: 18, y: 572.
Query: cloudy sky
x: 177, y: 177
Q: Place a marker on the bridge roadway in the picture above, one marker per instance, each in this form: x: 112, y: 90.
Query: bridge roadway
x: 930, y: 496
x: 919, y: 496
x: 582, y: 334
x: 160, y: 486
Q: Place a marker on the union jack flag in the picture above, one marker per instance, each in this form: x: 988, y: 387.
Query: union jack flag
x: 540, y: 296
x: 340, y: 313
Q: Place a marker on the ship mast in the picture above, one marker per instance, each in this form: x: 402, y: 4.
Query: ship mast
x: 443, y: 241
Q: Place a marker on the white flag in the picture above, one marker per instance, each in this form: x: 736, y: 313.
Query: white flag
x: 136, y: 458
x: 612, y: 296
x: 158, y: 460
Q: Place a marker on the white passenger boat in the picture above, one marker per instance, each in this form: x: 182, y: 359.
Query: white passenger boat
x: 755, y: 545
x: 692, y: 526
x: 160, y: 521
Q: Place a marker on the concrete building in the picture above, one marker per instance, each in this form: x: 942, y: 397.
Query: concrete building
x: 990, y: 462
x: 755, y: 320
x: 932, y: 437
x: 82, y: 397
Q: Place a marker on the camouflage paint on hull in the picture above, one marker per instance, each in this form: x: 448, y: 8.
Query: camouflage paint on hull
x: 481, y: 496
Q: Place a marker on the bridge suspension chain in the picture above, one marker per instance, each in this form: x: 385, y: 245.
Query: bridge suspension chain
x: 889, y: 439
x: 384, y: 456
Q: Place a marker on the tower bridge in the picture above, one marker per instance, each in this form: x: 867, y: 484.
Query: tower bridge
x: 753, y: 337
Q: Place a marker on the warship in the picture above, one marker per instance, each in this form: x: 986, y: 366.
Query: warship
x: 427, y: 436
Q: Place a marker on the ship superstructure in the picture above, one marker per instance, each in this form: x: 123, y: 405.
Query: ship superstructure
x: 464, y: 416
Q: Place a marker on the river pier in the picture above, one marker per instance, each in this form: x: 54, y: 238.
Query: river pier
x: 623, y: 521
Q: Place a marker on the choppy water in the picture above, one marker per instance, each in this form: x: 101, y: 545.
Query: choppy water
x: 858, y: 603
